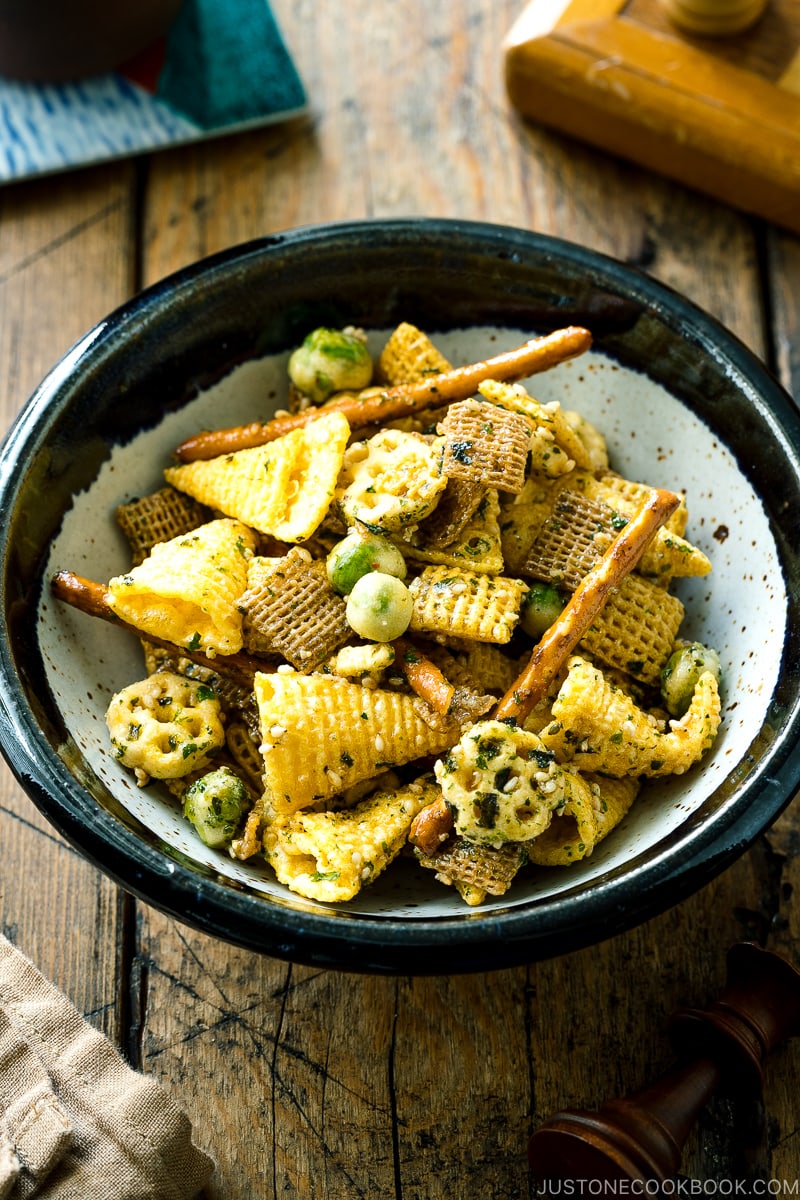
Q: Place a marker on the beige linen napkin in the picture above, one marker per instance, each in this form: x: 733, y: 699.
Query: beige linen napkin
x: 76, y: 1123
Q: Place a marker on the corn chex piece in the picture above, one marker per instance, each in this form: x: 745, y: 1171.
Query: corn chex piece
x: 627, y: 496
x: 476, y: 869
x: 245, y: 754
x: 572, y: 540
x: 594, y: 806
x: 321, y: 734
x: 478, y: 666
x: 292, y: 610
x: 187, y: 590
x: 453, y: 664
x: 612, y: 800
x: 476, y: 547
x: 486, y: 444
x: 283, y: 489
x: 635, y: 630
x: 671, y: 555
x: 486, y: 663
x: 159, y: 517
x: 593, y: 440
x: 466, y: 604
x: 556, y: 447
x: 668, y: 553
x: 599, y: 728
x: 390, y: 481
x: 330, y: 856
x: 522, y: 517
x: 409, y: 356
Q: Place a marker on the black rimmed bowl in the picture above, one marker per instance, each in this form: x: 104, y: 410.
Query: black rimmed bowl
x: 683, y: 405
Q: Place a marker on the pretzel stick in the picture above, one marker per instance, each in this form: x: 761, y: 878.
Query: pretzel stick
x: 539, y: 354
x: 431, y: 826
x: 558, y: 642
x: 90, y: 598
x: 424, y: 676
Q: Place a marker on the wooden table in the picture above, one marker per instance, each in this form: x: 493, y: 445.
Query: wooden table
x: 307, y: 1083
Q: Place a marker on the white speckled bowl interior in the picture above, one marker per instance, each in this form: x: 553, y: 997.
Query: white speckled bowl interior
x: 651, y: 437
x: 678, y: 833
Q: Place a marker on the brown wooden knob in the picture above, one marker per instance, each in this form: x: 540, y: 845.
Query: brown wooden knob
x: 641, y: 1137
x: 714, y: 18
x: 758, y: 1008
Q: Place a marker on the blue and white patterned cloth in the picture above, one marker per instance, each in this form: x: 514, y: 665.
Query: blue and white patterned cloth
x: 225, y: 67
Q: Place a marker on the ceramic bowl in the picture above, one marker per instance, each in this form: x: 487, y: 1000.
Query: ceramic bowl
x: 683, y: 405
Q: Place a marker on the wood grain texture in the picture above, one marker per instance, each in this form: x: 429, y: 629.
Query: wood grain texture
x: 766, y: 49
x: 67, y: 256
x: 310, y: 1083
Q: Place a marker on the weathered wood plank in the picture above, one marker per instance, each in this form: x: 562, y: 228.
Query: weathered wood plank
x: 782, y: 842
x: 67, y: 257
x: 783, y: 263
x: 462, y: 1077
x: 430, y: 1087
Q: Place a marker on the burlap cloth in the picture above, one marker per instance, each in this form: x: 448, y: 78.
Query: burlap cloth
x: 76, y: 1123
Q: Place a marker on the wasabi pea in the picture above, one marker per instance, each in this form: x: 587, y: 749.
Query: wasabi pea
x: 328, y: 361
x: 679, y: 677
x: 359, y: 553
x: 379, y: 607
x: 215, y: 805
x: 541, y: 606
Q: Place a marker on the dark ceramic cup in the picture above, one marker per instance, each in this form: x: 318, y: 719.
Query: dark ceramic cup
x: 51, y: 40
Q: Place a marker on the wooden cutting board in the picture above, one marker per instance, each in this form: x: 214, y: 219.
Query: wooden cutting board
x: 719, y: 114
